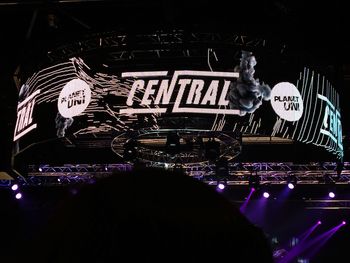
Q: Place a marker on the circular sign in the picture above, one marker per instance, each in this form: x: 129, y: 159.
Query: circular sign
x: 287, y: 101
x: 74, y: 98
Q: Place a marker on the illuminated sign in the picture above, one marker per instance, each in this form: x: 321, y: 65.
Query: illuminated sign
x: 74, y: 98
x: 187, y: 92
x: 317, y: 112
x: 331, y: 125
x: 24, y: 123
x: 287, y: 101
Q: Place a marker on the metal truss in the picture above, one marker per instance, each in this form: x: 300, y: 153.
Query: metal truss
x: 178, y: 43
x: 69, y: 174
x: 327, y: 204
x: 232, y: 174
x: 230, y: 144
x: 78, y: 169
x: 276, y: 173
x: 317, y: 204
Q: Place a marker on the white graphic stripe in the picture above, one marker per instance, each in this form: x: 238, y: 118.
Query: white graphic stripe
x: 28, y: 98
x: 144, y: 74
x: 135, y: 111
x: 31, y: 127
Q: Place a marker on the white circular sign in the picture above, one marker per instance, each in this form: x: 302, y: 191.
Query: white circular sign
x: 287, y: 101
x: 74, y: 98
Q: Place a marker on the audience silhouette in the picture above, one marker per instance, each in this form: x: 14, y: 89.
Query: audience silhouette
x: 149, y: 215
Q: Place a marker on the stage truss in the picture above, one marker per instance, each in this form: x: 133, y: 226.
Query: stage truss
x: 270, y: 173
x: 178, y: 43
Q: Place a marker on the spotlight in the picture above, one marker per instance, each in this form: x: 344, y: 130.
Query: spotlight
x: 252, y: 189
x: 331, y: 194
x: 266, y: 194
x: 221, y: 186
x: 40, y: 169
x: 18, y: 196
x: 290, y: 185
x: 14, y: 187
x: 344, y: 223
x: 319, y: 222
x: 292, y: 181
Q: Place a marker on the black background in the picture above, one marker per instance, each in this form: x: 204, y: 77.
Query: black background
x: 313, y: 32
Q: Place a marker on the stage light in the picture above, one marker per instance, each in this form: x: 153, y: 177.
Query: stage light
x: 290, y: 185
x: 18, y: 196
x: 221, y: 186
x: 40, y: 169
x: 292, y: 181
x: 266, y: 194
x: 319, y: 222
x: 331, y: 194
x: 344, y: 223
x: 14, y: 187
x: 247, y: 199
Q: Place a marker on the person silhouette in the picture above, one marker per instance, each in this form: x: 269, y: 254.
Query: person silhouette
x: 149, y: 215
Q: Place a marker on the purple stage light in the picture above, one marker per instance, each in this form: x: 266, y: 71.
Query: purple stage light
x: 14, y: 187
x: 244, y: 205
x: 221, y: 186
x: 308, y: 232
x: 266, y: 194
x: 331, y: 194
x: 344, y: 223
x: 18, y: 196
x: 291, y: 186
x: 311, y: 246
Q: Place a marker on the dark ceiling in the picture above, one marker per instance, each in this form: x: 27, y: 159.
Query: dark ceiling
x: 316, y: 29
